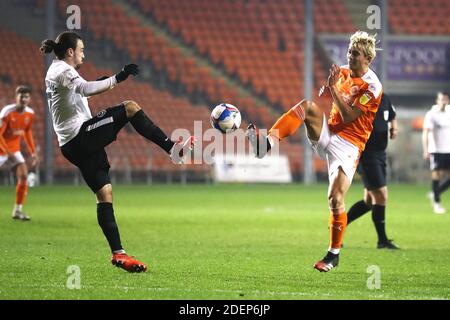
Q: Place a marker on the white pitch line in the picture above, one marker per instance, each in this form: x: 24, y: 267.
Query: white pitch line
x: 254, y: 292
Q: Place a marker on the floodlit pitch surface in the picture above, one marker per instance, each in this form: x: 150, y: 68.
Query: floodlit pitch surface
x: 220, y: 242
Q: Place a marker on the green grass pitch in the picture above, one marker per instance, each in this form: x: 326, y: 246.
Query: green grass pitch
x: 220, y: 242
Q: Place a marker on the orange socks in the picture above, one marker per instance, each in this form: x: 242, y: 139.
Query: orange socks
x: 21, y: 192
x: 337, y: 224
x: 288, y: 123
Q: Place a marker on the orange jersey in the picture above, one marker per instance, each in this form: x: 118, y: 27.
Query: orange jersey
x: 364, y: 93
x: 13, y: 126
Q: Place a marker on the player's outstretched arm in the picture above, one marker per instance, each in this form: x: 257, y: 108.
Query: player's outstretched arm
x: 91, y: 88
x: 129, y: 69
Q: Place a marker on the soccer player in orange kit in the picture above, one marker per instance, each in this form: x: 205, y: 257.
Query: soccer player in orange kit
x: 356, y: 93
x: 16, y: 121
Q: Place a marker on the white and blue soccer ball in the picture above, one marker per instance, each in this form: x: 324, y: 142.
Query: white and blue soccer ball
x: 226, y: 118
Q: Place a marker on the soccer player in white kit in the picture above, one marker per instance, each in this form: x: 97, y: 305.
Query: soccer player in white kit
x: 82, y: 138
x: 436, y: 148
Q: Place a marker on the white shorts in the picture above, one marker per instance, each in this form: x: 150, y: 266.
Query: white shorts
x: 11, y: 162
x: 337, y: 151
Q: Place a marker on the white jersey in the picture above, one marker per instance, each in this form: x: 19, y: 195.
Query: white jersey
x: 438, y: 124
x: 67, y: 94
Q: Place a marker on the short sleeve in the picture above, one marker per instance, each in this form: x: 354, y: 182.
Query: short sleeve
x: 391, y: 108
x: 3, y: 120
x: 369, y: 97
x: 428, y: 122
x: 366, y: 101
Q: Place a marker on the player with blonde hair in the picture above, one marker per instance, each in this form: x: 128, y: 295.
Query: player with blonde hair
x: 340, y: 139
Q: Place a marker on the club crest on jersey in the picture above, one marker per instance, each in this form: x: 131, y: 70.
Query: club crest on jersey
x: 365, y: 98
x: 386, y: 115
x: 101, y: 114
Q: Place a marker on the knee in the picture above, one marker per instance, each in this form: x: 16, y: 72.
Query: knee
x: 105, y: 194
x: 301, y: 108
x: 336, y: 200
x: 21, y: 178
x: 435, y: 175
x: 306, y: 105
x: 380, y: 196
x: 309, y: 108
x: 131, y: 108
x: 22, y: 174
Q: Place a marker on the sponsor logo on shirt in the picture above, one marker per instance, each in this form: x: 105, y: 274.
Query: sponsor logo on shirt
x: 365, y: 98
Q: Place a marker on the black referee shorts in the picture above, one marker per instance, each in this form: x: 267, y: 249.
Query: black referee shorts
x: 372, y: 169
x: 87, y: 149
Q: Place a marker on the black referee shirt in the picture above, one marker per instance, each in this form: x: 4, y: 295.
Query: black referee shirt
x: 378, y: 140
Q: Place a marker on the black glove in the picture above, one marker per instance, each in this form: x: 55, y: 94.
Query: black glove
x: 102, y: 78
x: 132, y: 69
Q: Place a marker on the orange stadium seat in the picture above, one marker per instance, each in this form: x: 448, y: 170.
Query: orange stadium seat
x: 419, y: 17
x: 239, y: 27
x: 162, y: 103
x: 260, y: 42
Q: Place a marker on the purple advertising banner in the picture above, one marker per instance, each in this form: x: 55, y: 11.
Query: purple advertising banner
x: 408, y: 60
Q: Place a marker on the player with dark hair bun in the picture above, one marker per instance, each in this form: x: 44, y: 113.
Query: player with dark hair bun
x: 82, y: 138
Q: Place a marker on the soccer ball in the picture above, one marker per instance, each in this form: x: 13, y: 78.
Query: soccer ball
x: 226, y: 118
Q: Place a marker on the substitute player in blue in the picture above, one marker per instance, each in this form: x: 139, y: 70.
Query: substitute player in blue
x: 372, y: 168
x: 83, y: 138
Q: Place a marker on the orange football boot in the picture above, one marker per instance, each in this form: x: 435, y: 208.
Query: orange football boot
x: 128, y: 263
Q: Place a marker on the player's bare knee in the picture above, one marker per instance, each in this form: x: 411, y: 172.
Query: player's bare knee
x: 380, y: 196
x: 22, y: 179
x: 22, y: 173
x: 335, y: 201
x: 131, y: 108
x: 306, y: 106
x: 104, y: 194
x: 436, y: 174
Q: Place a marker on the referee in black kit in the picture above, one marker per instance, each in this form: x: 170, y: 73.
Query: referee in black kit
x: 372, y: 168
